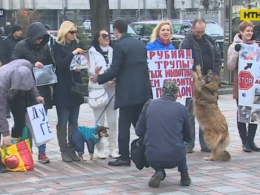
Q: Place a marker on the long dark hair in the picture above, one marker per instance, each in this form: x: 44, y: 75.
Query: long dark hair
x: 95, y: 43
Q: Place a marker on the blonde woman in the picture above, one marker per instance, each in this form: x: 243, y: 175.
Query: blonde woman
x: 100, y: 55
x: 161, y: 37
x: 67, y: 104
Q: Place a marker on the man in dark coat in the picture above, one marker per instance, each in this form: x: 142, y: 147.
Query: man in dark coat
x: 206, y: 54
x: 165, y: 127
x: 36, y: 50
x: 7, y: 48
x: 9, y: 43
x: 133, y: 89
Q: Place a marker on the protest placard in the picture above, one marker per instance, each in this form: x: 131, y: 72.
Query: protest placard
x: 249, y: 84
x: 171, y: 65
x: 37, y: 122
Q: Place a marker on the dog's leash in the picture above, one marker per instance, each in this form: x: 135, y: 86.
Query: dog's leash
x: 105, y: 108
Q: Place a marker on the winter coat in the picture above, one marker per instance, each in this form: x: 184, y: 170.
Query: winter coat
x: 97, y: 60
x: 232, y: 61
x: 7, y: 47
x: 158, y: 45
x: 12, y: 79
x: 26, y: 49
x: 62, y: 95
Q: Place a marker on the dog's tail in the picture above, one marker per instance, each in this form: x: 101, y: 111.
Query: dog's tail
x: 221, y: 153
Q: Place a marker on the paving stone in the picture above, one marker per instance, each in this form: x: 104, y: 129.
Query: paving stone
x: 96, y: 191
x: 225, y: 189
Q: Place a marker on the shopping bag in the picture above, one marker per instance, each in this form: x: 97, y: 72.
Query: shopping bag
x: 18, y: 157
x: 38, y: 124
x: 79, y: 62
x: 44, y: 76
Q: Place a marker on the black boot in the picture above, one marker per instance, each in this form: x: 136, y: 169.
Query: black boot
x: 251, y: 136
x: 185, y: 179
x: 242, y: 130
x: 246, y: 146
x: 2, y: 168
x: 156, y: 179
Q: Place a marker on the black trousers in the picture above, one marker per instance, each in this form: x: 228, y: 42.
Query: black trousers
x: 127, y: 115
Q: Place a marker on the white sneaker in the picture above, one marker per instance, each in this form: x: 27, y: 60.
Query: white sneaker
x: 113, y: 153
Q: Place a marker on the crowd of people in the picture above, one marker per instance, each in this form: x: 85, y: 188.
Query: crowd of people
x: 121, y: 72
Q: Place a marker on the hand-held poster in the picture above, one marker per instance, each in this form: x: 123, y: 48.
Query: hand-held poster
x: 170, y: 65
x: 249, y: 84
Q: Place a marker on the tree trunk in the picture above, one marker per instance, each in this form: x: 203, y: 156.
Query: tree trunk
x: 99, y: 12
x: 171, y: 10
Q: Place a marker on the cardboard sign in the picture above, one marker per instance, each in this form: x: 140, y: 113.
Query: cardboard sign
x: 38, y: 124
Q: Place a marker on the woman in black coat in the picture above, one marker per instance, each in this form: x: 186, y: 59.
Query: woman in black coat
x: 36, y: 50
x: 67, y: 104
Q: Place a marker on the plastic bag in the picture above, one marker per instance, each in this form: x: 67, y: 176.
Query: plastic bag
x: 44, y: 76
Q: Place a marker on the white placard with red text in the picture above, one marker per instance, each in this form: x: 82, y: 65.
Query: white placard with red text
x: 249, y: 84
x: 171, y: 65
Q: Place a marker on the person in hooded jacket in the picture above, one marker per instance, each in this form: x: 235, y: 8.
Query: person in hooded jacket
x: 245, y: 35
x: 19, y: 91
x: 161, y: 37
x: 36, y: 50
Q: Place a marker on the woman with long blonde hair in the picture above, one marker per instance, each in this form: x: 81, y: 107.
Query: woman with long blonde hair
x: 67, y: 104
x: 161, y: 37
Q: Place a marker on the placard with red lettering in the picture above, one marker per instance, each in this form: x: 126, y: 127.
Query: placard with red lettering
x: 249, y: 84
x: 173, y: 65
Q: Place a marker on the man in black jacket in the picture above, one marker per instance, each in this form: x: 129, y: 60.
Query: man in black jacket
x: 165, y: 127
x: 206, y: 54
x: 9, y: 43
x: 133, y: 89
x: 7, y: 48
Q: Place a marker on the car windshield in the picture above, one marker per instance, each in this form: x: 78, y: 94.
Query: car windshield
x: 129, y: 30
x: 214, y: 29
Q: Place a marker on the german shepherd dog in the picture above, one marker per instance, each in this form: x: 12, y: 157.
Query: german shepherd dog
x: 206, y: 110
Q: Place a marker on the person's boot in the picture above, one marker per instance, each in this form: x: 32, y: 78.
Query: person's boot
x: 102, y: 148
x: 251, y: 136
x: 185, y: 178
x: 242, y: 130
x: 72, y: 152
x: 113, y: 148
x: 62, y: 141
x: 156, y: 179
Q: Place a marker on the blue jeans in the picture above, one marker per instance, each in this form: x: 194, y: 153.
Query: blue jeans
x: 68, y: 115
x: 203, y: 145
x: 182, y: 165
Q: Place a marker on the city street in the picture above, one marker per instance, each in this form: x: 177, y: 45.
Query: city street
x: 240, y: 176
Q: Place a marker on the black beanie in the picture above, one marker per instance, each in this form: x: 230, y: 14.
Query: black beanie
x: 15, y: 28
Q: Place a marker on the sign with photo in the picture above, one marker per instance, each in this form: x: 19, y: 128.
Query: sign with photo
x: 171, y: 65
x: 38, y: 123
x: 249, y: 84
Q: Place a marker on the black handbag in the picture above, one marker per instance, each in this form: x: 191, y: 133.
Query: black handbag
x: 137, y: 150
x: 78, y: 89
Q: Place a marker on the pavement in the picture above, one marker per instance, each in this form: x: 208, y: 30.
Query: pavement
x: 240, y: 176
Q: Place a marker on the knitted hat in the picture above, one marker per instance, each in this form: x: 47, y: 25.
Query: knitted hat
x: 15, y: 28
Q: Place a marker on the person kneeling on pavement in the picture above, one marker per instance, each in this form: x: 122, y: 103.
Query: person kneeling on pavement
x: 165, y: 127
x: 17, y: 87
